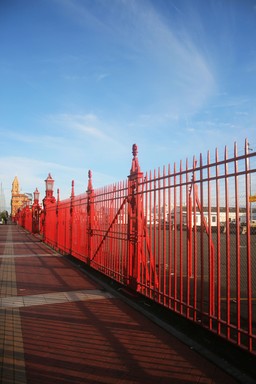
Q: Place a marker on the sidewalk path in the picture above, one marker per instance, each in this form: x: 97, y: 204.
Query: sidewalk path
x: 59, y: 326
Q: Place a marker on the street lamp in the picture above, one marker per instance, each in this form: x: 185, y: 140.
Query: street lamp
x: 49, y: 186
x: 36, y: 196
x: 48, y: 201
x: 36, y: 210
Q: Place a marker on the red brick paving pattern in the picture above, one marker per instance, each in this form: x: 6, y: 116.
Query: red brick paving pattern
x: 48, y: 274
x: 94, y: 341
x: 106, y: 342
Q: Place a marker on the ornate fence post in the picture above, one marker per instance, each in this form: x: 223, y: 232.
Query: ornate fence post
x: 90, y: 217
x: 135, y: 220
x: 28, y: 217
x: 57, y: 219
x: 71, y: 215
x: 48, y: 200
x: 36, y: 210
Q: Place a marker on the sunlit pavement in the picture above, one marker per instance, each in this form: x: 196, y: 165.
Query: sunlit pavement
x: 59, y: 326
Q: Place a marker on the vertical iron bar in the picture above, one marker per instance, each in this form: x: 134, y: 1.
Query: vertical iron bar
x: 202, y: 240
x: 181, y: 244
x: 248, y: 238
x: 171, y: 228
x: 218, y: 256
x: 164, y: 235
x: 189, y: 238
x: 160, y: 288
x: 210, y: 249
x: 227, y: 246
x: 238, y: 272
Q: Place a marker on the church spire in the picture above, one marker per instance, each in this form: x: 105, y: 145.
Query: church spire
x: 15, y: 186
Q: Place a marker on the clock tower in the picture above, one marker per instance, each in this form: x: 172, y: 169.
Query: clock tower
x: 18, y: 199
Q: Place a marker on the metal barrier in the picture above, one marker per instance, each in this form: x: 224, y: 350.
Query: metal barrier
x: 184, y: 237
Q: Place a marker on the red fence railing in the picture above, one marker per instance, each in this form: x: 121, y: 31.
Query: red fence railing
x: 183, y: 236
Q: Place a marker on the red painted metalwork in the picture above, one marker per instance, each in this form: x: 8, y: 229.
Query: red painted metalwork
x: 182, y: 236
x: 36, y: 211
x: 50, y: 213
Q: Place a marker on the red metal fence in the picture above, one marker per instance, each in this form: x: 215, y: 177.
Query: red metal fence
x: 183, y: 236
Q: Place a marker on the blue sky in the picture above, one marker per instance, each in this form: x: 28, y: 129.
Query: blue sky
x: 82, y: 80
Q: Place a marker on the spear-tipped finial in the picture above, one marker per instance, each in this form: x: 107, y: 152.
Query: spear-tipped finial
x: 135, y: 162
x: 135, y: 150
x: 72, y: 188
x: 90, y: 188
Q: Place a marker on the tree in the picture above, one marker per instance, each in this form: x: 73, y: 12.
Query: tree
x: 4, y: 217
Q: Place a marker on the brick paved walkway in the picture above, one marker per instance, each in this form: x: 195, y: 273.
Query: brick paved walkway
x: 59, y: 326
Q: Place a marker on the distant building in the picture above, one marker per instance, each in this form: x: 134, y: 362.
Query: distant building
x: 2, y: 199
x: 18, y: 199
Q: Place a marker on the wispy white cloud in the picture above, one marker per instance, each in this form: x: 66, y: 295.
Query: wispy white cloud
x: 102, y: 76
x: 54, y: 141
x: 80, y: 13
x: 88, y: 124
x: 178, y: 75
x: 229, y: 101
x: 13, y: 135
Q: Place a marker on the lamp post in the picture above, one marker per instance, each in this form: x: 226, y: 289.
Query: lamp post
x: 49, y: 182
x: 48, y: 200
x: 36, y: 196
x: 36, y: 210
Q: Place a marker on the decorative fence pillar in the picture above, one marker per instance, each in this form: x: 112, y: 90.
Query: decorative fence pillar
x: 135, y: 220
x: 71, y: 215
x: 36, y: 210
x: 57, y: 219
x: 90, y: 217
x: 28, y: 218
x: 49, y: 202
